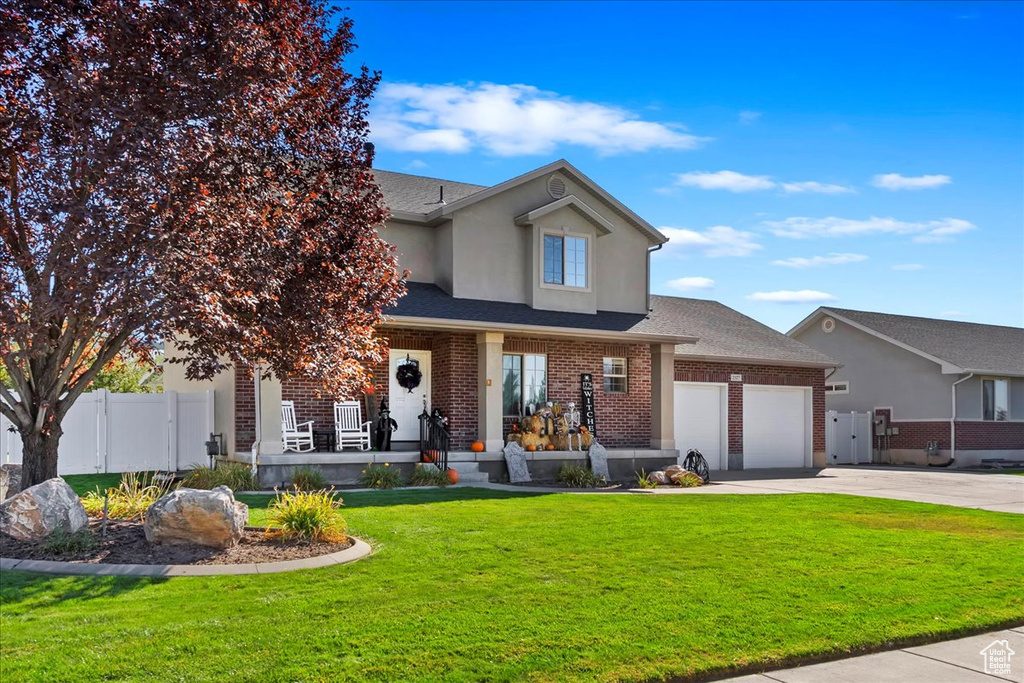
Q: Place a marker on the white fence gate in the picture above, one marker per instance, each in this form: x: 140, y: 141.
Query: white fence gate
x: 848, y: 438
x: 105, y: 432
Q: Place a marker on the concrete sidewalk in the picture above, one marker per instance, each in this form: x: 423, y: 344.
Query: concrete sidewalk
x: 952, y: 661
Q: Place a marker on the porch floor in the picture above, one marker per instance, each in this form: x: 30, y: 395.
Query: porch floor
x: 350, y: 457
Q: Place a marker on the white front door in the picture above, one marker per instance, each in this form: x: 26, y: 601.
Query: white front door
x: 776, y: 427
x: 406, y: 405
x: 700, y: 410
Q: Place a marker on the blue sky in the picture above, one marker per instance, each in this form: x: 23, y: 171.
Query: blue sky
x: 862, y: 155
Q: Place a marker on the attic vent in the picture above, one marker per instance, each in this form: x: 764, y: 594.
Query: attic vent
x: 556, y: 187
x: 828, y: 325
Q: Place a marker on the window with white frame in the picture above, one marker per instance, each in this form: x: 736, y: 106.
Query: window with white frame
x: 615, y: 375
x: 837, y: 387
x: 524, y: 383
x: 565, y: 260
x: 995, y: 399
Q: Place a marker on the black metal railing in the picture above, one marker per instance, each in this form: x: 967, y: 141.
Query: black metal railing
x: 435, y: 439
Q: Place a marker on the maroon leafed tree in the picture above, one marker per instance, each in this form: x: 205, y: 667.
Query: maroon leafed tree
x: 188, y: 169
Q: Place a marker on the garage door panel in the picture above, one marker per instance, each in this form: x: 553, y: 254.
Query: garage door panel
x: 699, y: 417
x: 774, y: 427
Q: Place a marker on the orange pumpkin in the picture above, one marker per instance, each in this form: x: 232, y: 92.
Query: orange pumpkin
x: 550, y: 447
x: 531, y: 447
x: 477, y: 447
x: 430, y: 456
x: 453, y: 477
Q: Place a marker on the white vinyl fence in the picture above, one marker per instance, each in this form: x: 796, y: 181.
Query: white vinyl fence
x: 848, y: 438
x: 105, y: 432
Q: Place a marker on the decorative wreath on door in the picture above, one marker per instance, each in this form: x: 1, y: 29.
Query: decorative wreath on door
x: 409, y: 375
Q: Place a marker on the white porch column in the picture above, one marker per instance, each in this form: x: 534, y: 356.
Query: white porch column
x: 270, y: 415
x: 663, y: 434
x: 488, y: 352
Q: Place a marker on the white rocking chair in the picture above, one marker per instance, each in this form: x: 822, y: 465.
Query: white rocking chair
x: 295, y: 437
x: 349, y: 427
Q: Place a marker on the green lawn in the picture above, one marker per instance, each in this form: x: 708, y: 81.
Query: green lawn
x: 471, y: 584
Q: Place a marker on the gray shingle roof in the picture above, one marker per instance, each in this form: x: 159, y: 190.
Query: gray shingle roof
x: 971, y: 346
x: 725, y: 333
x: 419, y: 194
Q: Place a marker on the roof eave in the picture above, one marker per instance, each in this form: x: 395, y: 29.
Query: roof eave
x: 760, y: 361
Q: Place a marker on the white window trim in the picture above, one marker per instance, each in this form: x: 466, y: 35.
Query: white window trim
x: 522, y: 405
x: 833, y: 383
x: 624, y: 375
x: 1009, y: 394
x: 540, y: 260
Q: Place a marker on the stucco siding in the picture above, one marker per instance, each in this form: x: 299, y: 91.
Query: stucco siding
x: 416, y: 248
x: 222, y: 384
x: 881, y: 375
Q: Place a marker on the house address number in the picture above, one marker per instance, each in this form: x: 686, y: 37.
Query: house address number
x: 735, y: 378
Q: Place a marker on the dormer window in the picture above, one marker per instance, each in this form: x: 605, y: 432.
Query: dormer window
x: 565, y: 261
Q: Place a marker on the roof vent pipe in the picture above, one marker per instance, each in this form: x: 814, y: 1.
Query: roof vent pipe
x: 368, y: 148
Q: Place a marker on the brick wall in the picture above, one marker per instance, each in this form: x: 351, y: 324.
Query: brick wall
x: 916, y: 435
x: 989, y: 436
x: 245, y: 409
x: 623, y: 419
x: 704, y: 371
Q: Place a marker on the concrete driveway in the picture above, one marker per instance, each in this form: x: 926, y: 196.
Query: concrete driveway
x: 998, y: 492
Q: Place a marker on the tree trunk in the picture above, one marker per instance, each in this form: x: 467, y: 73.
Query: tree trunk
x: 39, y: 456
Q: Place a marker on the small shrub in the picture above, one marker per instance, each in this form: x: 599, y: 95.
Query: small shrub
x: 237, y: 476
x: 307, y: 515
x: 65, y: 542
x: 577, y: 477
x: 428, y: 476
x: 643, y: 481
x: 689, y: 480
x: 307, y: 478
x: 130, y: 499
x: 380, y: 476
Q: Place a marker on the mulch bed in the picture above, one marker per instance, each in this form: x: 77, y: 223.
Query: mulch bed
x: 126, y: 543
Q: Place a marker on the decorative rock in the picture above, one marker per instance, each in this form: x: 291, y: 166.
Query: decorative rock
x: 599, y: 460
x: 673, y: 472
x: 10, y: 481
x: 39, y: 510
x: 515, y: 459
x: 658, y: 477
x: 193, y: 516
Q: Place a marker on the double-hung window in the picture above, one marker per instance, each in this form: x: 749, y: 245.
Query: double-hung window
x: 995, y: 400
x: 524, y: 383
x: 615, y: 376
x: 565, y: 261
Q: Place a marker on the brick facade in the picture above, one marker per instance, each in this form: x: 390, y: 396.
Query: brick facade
x: 704, y: 371
x: 971, y: 435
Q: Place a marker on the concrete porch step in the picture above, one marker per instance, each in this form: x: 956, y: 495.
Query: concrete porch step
x: 469, y: 472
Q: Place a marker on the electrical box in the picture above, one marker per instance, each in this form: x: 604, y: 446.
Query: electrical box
x: 894, y: 431
x: 881, y: 424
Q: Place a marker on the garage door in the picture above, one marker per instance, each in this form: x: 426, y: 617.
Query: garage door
x: 700, y: 411
x: 775, y: 427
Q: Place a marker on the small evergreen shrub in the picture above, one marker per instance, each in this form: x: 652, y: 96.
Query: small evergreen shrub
x: 308, y: 478
x: 577, y: 477
x: 130, y: 499
x: 307, y: 515
x: 64, y: 542
x: 237, y: 476
x: 428, y: 476
x: 380, y: 476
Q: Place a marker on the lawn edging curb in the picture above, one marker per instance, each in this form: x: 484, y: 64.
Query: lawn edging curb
x: 357, y: 551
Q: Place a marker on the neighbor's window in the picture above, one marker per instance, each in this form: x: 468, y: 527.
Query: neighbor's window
x: 565, y: 260
x: 837, y: 387
x: 995, y: 400
x: 524, y: 383
x: 614, y: 375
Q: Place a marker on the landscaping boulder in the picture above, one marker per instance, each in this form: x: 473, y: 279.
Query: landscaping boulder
x: 193, y: 516
x: 658, y: 477
x: 39, y: 510
x: 673, y: 472
x: 10, y: 481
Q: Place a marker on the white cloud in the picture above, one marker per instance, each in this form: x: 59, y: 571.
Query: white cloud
x: 800, y: 227
x: 895, y: 181
x: 416, y: 165
x: 689, y: 284
x: 725, y: 180
x: 717, y: 241
x: 832, y: 259
x: 908, y: 266
x: 815, y: 187
x: 510, y: 120
x: 785, y: 296
x: 749, y: 117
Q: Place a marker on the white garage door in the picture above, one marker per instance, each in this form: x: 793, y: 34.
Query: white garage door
x: 776, y: 428
x: 700, y: 411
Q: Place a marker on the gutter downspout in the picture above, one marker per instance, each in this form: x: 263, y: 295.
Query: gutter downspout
x: 952, y: 422
x: 256, y: 444
x: 651, y: 250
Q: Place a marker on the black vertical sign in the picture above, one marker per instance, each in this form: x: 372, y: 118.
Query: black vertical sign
x: 588, y: 417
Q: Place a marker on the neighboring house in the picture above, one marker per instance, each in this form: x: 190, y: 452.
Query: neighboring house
x: 518, y: 289
x: 958, y: 384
